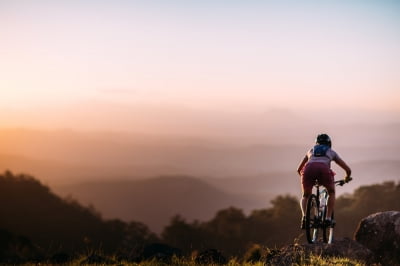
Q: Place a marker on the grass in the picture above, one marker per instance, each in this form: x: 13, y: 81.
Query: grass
x: 294, y: 255
x: 303, y: 261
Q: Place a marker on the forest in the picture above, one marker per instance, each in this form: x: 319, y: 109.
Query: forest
x: 36, y: 223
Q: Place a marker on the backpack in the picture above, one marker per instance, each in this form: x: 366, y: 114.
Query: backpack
x: 320, y: 150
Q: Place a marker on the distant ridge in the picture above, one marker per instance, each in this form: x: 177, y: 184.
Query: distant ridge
x: 155, y: 201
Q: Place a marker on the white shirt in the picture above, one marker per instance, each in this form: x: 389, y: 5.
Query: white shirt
x: 330, y: 155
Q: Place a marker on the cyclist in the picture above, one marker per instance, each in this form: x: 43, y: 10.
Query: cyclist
x: 316, y: 165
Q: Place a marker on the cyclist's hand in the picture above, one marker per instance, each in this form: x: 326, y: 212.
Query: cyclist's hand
x: 347, y: 179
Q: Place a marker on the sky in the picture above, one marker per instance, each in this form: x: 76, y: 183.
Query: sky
x: 210, y: 55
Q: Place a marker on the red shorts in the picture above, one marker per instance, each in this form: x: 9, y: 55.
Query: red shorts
x: 317, y: 171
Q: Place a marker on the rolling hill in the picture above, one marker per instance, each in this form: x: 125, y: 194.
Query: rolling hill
x: 155, y: 201
x: 54, y: 224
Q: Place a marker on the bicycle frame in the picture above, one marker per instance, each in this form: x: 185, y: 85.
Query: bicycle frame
x: 316, y: 214
x: 320, y: 198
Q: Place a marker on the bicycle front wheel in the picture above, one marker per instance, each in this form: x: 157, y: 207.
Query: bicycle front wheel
x: 313, y: 221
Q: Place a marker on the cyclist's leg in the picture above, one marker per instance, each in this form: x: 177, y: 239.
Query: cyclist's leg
x: 303, y: 205
x: 331, y: 204
x: 327, y: 180
x: 307, y: 183
x: 304, y: 199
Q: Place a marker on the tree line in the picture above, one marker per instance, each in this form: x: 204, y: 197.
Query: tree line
x: 234, y: 232
x: 52, y: 224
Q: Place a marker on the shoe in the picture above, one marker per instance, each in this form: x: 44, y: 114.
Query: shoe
x: 303, y: 223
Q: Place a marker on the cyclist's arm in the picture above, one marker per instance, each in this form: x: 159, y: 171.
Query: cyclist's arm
x: 345, y: 167
x: 301, y: 165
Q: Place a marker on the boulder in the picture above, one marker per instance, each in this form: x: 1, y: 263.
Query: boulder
x: 380, y: 232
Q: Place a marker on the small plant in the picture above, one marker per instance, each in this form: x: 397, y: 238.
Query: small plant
x: 254, y: 254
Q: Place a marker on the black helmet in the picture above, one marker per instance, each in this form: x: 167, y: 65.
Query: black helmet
x: 324, y: 139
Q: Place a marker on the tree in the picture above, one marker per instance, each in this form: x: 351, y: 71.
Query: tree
x: 185, y: 236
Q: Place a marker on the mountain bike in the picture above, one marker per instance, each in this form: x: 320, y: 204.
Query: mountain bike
x: 316, y: 213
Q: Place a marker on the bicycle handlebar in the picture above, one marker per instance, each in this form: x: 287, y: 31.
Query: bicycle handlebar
x: 342, y: 182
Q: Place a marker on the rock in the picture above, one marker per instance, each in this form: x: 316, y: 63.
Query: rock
x: 289, y: 255
x: 345, y: 248
x: 380, y: 232
x: 211, y: 256
x: 300, y: 254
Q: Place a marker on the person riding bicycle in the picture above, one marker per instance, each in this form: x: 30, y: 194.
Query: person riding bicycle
x: 316, y: 165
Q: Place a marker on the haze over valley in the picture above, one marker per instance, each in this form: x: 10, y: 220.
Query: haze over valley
x: 119, y: 172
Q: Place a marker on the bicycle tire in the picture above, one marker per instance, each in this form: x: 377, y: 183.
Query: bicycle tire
x: 312, y: 219
x: 325, y: 230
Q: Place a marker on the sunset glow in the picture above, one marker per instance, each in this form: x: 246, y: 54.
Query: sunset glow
x: 212, y: 55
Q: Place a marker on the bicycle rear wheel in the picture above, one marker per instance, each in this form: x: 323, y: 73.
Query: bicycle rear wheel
x: 325, y: 229
x: 323, y: 209
x: 312, y: 219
